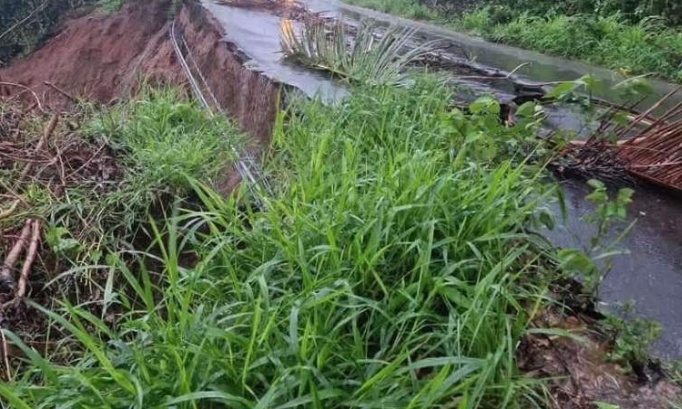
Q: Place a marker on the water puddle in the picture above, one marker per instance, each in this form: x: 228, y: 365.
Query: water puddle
x: 651, y: 275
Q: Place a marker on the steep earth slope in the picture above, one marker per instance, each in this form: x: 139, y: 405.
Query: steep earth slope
x: 102, y: 57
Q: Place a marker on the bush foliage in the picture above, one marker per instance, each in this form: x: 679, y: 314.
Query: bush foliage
x: 632, y: 10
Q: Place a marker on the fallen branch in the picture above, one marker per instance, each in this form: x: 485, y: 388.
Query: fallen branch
x: 6, y: 278
x: 24, y: 87
x: 5, y: 355
x: 30, y: 257
x: 8, y: 212
x: 509, y: 75
x: 24, y: 20
x: 86, y: 163
x: 12, y: 193
x: 46, y: 134
x: 61, y: 91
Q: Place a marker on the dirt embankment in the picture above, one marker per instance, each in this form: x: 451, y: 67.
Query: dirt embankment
x: 93, y: 56
x: 103, y: 57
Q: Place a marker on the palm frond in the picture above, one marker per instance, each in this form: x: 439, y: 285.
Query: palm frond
x: 368, y: 54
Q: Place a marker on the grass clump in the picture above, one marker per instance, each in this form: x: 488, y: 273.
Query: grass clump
x: 142, y: 153
x: 407, y: 8
x: 109, y: 6
x: 164, y: 139
x: 392, y: 268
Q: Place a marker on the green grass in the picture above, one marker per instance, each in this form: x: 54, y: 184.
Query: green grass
x: 392, y: 268
x: 159, y: 140
x: 163, y: 140
x: 109, y: 6
x: 647, y: 47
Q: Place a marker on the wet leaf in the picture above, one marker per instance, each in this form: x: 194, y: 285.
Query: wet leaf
x: 575, y: 260
x: 562, y: 89
x: 526, y: 109
x: 485, y: 105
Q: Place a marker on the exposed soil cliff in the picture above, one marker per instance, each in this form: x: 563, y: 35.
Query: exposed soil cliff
x: 101, y: 57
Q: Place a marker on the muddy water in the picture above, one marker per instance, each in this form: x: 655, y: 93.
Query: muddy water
x: 651, y: 275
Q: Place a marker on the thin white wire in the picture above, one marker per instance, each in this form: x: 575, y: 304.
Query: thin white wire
x: 245, y: 171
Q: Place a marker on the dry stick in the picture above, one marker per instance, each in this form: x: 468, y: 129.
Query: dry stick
x: 30, y: 257
x: 86, y: 163
x: 660, y: 144
x: 24, y: 87
x: 8, y: 212
x: 5, y: 355
x: 657, y: 165
x: 654, y: 138
x: 48, y: 131
x: 11, y: 260
x: 648, y: 112
x: 13, y: 193
x: 61, y: 91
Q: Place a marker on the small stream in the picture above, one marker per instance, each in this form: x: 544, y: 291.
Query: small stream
x: 651, y: 275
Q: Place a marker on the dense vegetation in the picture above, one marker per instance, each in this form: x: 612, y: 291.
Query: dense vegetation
x: 394, y: 265
x: 632, y: 10
x: 636, y: 36
x: 396, y: 262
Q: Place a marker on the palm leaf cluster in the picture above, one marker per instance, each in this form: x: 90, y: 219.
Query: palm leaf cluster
x: 367, y: 55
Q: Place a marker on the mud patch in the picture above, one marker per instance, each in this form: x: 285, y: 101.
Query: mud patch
x: 580, y: 372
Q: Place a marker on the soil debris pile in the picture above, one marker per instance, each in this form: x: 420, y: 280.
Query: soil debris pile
x: 581, y: 373
x: 103, y: 58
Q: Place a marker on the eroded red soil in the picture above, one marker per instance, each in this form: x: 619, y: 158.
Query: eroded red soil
x: 96, y: 56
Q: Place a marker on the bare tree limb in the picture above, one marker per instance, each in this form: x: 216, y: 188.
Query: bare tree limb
x: 24, y: 87
x: 41, y: 143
